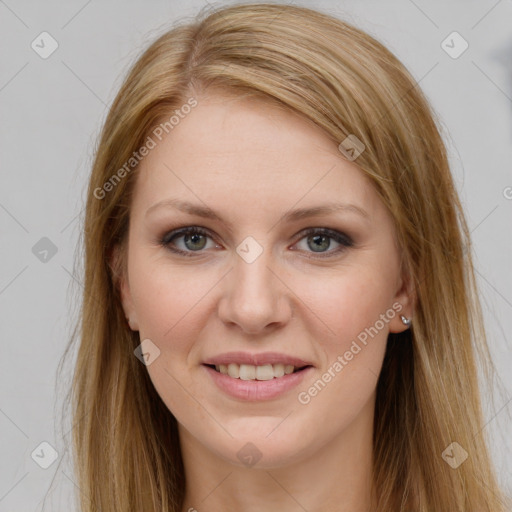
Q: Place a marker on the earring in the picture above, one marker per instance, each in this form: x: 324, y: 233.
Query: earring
x: 405, y: 321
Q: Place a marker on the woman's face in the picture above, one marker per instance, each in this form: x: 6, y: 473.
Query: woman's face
x: 254, y: 289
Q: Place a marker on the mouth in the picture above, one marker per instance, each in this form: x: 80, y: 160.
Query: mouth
x: 253, y: 372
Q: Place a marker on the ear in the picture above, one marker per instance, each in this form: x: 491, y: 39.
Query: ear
x: 404, y: 301
x: 118, y: 265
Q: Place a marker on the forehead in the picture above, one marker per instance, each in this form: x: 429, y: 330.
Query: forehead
x: 226, y: 124
x: 228, y: 148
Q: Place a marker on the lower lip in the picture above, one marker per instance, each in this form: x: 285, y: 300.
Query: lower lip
x: 256, y: 390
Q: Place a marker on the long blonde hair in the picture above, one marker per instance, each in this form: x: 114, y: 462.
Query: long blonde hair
x: 126, y: 443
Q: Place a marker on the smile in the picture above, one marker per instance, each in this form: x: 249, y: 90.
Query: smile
x: 253, y: 372
x: 251, y: 383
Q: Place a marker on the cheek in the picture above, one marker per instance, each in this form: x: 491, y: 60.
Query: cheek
x: 166, y: 298
x: 174, y: 303
x: 347, y: 302
x: 351, y: 357
x: 170, y: 305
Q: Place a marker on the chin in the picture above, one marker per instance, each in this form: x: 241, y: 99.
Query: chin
x: 261, y: 452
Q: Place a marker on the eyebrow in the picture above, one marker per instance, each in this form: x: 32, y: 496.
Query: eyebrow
x: 291, y: 216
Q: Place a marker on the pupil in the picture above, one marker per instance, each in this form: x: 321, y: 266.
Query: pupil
x: 193, y: 238
x: 324, y: 238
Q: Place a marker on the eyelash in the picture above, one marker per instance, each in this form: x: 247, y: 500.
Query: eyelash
x: 341, y: 238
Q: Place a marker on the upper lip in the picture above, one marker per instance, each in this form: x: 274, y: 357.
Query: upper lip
x: 256, y: 359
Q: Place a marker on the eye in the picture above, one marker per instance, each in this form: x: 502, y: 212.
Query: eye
x: 319, y: 240
x: 193, y: 237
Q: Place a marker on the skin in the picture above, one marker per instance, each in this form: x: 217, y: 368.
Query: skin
x: 251, y: 163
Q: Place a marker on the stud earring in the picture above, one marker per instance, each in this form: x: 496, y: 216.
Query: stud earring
x: 405, y: 321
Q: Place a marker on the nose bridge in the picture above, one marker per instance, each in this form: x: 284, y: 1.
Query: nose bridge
x: 253, y: 279
x: 252, y: 275
x: 254, y: 297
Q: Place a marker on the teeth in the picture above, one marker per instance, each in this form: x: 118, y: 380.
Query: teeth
x: 265, y: 372
x: 251, y: 372
x: 234, y: 371
x: 288, y: 369
x: 247, y: 372
x: 278, y: 370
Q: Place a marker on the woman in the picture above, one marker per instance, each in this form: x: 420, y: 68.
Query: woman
x: 279, y: 312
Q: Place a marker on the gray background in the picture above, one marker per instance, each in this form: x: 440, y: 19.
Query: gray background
x: 51, y: 113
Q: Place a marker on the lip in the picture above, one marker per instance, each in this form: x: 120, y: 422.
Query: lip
x: 256, y: 390
x: 256, y: 359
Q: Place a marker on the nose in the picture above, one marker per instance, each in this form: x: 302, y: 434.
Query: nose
x: 255, y: 297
